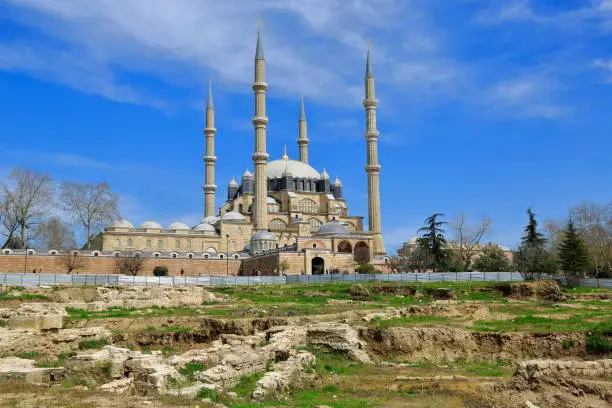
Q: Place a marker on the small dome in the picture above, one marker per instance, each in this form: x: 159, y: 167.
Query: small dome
x: 247, y: 174
x: 263, y: 235
x: 212, y: 220
x: 247, y: 247
x: 233, y: 183
x: 337, y: 182
x: 178, y: 226
x: 150, y: 225
x: 204, y: 227
x: 324, y: 175
x: 333, y: 227
x: 413, y: 240
x: 121, y: 224
x: 276, y: 168
x: 232, y: 216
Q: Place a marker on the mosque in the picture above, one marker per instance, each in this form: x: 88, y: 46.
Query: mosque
x: 284, y: 207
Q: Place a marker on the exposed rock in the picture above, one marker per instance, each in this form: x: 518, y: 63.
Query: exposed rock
x: 38, y: 316
x: 544, y: 289
x: 442, y: 293
x: 391, y: 289
x: 359, y: 291
x: 150, y: 374
x: 121, y: 386
x: 284, y: 374
x: 19, y: 369
x: 106, y: 363
x: 533, y: 369
x: 47, y: 342
x: 337, y: 337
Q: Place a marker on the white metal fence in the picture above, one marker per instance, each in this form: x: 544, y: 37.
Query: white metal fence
x: 17, y: 279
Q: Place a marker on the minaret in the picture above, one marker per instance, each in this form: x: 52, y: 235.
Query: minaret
x: 260, y: 122
x: 303, y: 133
x: 372, y: 168
x: 209, y: 158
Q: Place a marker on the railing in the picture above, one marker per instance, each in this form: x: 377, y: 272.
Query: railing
x: 20, y: 279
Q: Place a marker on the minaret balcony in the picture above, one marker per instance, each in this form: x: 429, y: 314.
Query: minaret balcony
x: 372, y: 134
x: 210, y: 131
x: 370, y: 103
x: 209, y: 187
x: 209, y: 159
x: 260, y: 120
x: 373, y: 168
x: 260, y: 86
x: 259, y: 157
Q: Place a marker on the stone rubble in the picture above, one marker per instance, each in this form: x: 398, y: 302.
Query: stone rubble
x: 25, y: 370
x: 283, y: 375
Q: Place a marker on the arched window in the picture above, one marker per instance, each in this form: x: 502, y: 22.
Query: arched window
x: 129, y: 242
x: 177, y: 244
x: 149, y: 243
x: 308, y: 206
x: 117, y: 242
x: 345, y: 247
x: 205, y: 256
x: 236, y: 256
x: 362, y: 252
x: 314, y: 245
x: 315, y: 224
x: 240, y: 208
x: 174, y: 255
x: 277, y: 224
x: 221, y: 256
x: 160, y: 243
x: 190, y: 256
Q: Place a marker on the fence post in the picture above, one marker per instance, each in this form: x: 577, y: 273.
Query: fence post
x: 39, y: 279
x: 21, y: 280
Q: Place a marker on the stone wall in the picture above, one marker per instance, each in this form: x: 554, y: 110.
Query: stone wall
x: 107, y: 265
x: 266, y: 264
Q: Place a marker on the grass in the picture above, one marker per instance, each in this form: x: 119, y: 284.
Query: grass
x: 246, y: 384
x: 25, y: 296
x: 409, y: 321
x: 599, y: 342
x: 93, y: 344
x: 178, y: 329
x: 59, y: 362
x: 208, y: 393
x: 190, y: 370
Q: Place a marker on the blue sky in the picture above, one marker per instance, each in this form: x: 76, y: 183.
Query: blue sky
x: 485, y: 106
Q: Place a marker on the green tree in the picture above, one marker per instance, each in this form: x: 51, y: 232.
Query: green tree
x: 433, y: 241
x: 573, y: 254
x: 491, y: 259
x: 532, y: 257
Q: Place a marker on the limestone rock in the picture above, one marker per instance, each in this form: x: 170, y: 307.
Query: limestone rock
x: 359, y: 291
x: 19, y: 369
x: 285, y: 374
x: 38, y: 316
x: 121, y: 386
x: 338, y: 337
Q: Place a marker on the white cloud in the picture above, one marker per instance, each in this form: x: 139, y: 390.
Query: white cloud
x: 61, y: 159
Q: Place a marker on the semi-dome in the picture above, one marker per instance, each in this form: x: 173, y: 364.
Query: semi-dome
x: 263, y: 235
x: 178, y: 226
x: 232, y: 216
x: 211, y: 219
x: 333, y: 227
x: 151, y: 225
x: 298, y: 169
x: 122, y: 223
x: 204, y: 227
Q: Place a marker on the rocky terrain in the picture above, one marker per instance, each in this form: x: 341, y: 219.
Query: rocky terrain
x: 336, y: 345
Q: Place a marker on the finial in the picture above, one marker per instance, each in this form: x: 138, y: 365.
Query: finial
x: 324, y: 175
x: 302, y: 110
x: 209, y: 103
x: 259, y: 54
x: 369, y: 71
x: 285, y: 157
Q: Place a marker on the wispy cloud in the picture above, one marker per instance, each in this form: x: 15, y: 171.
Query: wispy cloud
x: 61, y: 159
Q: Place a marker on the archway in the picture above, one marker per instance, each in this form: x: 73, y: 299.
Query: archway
x: 345, y: 247
x: 362, y: 252
x: 318, y: 266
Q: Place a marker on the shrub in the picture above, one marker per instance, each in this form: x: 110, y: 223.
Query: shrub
x: 160, y: 270
x: 599, y: 343
x: 208, y: 393
x: 93, y: 344
x: 568, y: 344
x: 366, y: 268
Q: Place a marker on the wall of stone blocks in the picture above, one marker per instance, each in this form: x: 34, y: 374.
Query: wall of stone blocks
x: 107, y: 265
x: 266, y: 264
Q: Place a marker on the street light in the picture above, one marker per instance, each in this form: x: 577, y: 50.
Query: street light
x: 227, y: 254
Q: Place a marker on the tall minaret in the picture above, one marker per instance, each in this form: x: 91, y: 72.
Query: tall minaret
x: 260, y: 122
x: 209, y: 158
x: 303, y: 133
x: 372, y: 168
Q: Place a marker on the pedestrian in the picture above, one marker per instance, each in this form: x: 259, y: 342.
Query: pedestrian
x: 182, y: 272
x: 34, y: 271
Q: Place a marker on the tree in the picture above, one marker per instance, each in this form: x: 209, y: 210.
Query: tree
x: 432, y: 240
x: 55, y: 234
x: 491, y: 259
x: 160, y: 270
x: 283, y: 266
x: 28, y: 193
x: 130, y: 263
x: 72, y: 261
x: 89, y: 205
x: 467, y: 239
x: 9, y: 219
x: 531, y: 257
x: 593, y: 223
x: 573, y: 254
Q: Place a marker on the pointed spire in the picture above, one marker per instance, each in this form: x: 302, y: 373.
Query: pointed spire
x: 209, y: 103
x: 247, y: 173
x: 337, y: 182
x: 302, y: 110
x: 285, y: 157
x: 324, y: 175
x: 369, y: 71
x: 233, y: 182
x: 259, y: 54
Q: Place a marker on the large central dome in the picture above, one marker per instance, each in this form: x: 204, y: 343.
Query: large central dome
x: 297, y: 169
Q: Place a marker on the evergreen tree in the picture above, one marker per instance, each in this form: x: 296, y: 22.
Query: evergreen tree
x: 433, y: 241
x: 532, y: 237
x: 573, y: 254
x: 532, y: 257
x: 492, y: 259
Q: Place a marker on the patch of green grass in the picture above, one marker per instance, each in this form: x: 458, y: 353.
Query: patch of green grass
x: 31, y: 355
x: 568, y: 344
x: 25, y: 296
x: 117, y: 312
x: 484, y: 369
x: 599, y: 342
x: 531, y: 323
x: 488, y: 296
x: 93, y: 344
x: 409, y: 320
x: 168, y: 351
x: 178, y: 329
x: 583, y: 289
x: 61, y: 360
x: 246, y: 384
x: 190, y: 370
x: 208, y: 393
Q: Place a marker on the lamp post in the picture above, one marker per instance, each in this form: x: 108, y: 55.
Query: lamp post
x: 227, y: 254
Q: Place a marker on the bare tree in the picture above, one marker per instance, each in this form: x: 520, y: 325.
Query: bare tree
x: 55, y: 234
x: 72, y: 261
x: 594, y: 223
x: 28, y: 194
x: 467, y: 238
x: 129, y: 263
x: 9, y: 221
x: 89, y: 205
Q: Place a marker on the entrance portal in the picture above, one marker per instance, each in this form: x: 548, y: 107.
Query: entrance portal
x: 318, y: 266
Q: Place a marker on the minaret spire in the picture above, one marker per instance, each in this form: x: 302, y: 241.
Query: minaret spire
x: 209, y: 157
x: 372, y: 168
x: 260, y: 123
x: 303, y: 133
